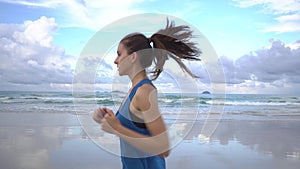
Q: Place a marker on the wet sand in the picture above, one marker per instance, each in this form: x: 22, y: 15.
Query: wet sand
x: 56, y: 141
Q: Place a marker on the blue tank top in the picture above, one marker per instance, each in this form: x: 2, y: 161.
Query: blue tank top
x: 131, y: 157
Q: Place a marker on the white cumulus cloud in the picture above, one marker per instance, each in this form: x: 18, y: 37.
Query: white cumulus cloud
x: 277, y: 66
x: 28, y: 55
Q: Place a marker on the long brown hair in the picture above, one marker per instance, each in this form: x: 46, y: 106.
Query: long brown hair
x: 172, y: 41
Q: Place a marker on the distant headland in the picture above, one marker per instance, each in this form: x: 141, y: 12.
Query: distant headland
x: 205, y: 92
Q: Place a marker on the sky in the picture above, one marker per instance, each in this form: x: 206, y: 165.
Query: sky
x: 257, y: 41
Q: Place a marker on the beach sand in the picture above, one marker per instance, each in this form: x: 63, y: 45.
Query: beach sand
x: 57, y: 141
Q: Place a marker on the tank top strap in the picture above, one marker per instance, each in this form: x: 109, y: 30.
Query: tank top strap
x: 133, y: 91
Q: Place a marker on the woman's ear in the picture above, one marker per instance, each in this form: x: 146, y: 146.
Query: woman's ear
x: 134, y: 57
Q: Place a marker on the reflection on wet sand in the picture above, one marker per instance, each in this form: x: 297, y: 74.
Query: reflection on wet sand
x: 28, y: 147
x: 276, y: 138
x: 51, y: 147
x: 49, y: 141
x: 252, y: 144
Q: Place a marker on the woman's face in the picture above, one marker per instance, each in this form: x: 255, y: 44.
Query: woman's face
x: 122, y: 61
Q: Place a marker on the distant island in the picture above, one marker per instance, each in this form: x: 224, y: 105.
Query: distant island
x: 205, y: 92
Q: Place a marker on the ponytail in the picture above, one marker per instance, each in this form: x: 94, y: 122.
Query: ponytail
x: 174, y: 41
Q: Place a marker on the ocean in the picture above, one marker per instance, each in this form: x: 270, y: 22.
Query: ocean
x: 231, y: 106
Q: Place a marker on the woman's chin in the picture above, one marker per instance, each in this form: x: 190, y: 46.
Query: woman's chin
x: 121, y: 74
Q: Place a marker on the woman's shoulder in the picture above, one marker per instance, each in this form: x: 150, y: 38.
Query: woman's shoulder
x: 145, y: 90
x: 144, y: 97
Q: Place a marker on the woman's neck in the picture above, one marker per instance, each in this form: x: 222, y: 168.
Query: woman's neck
x: 138, y: 77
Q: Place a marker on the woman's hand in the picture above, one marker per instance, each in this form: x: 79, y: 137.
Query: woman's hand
x: 110, y: 123
x: 99, y: 114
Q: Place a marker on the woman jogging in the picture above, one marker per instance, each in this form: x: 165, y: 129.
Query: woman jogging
x: 138, y: 123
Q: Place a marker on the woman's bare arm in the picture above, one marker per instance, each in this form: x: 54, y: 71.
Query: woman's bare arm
x: 158, y: 142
